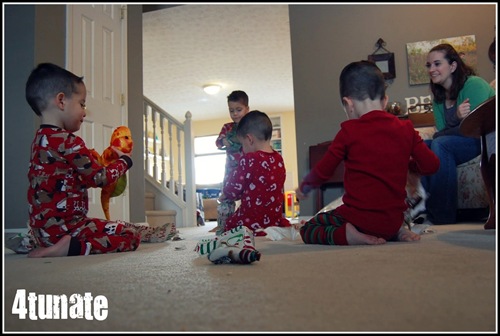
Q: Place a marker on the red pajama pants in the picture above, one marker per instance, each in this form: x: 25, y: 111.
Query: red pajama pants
x: 95, y: 236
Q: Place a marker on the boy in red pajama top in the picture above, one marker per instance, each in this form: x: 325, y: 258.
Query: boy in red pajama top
x: 62, y: 169
x: 259, y: 178
x: 378, y: 150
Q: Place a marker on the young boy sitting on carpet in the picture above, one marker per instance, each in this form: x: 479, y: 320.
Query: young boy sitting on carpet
x: 62, y: 169
x: 378, y: 149
x: 259, y: 178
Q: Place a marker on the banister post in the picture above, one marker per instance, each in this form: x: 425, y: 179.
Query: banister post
x: 190, y: 178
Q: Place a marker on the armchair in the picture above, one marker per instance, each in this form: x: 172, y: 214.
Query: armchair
x: 481, y: 122
x: 472, y: 192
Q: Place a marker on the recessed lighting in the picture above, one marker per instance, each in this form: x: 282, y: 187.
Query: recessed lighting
x: 212, y: 89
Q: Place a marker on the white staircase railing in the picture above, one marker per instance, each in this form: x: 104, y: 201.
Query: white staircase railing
x: 169, y: 160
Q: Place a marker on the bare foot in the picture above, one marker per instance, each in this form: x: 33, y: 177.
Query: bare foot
x: 354, y: 237
x: 406, y: 235
x: 59, y: 249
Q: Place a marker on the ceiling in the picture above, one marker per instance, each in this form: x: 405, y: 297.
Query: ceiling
x: 240, y: 47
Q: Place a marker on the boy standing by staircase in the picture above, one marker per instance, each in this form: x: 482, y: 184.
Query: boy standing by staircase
x: 237, y: 103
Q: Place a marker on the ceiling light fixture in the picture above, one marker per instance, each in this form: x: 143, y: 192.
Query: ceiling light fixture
x: 212, y: 89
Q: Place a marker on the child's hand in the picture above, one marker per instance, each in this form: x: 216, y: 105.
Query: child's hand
x: 299, y: 194
x: 95, y: 155
x: 221, y: 198
x: 119, y: 152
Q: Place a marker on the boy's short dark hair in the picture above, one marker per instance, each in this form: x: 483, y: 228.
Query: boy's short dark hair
x: 238, y: 96
x: 46, y: 81
x: 361, y: 80
x: 256, y: 123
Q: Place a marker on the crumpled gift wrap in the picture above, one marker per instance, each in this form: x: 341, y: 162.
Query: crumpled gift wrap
x: 155, y: 234
x: 279, y: 233
x: 416, y: 206
x: 233, y: 246
x: 21, y: 243
x: 225, y: 209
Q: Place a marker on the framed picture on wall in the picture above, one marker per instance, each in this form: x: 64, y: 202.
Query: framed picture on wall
x: 385, y: 62
x: 417, y: 55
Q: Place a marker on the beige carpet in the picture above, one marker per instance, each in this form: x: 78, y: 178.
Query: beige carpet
x: 444, y: 283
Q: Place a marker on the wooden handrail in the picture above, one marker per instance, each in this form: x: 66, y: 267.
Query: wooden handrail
x: 169, y: 158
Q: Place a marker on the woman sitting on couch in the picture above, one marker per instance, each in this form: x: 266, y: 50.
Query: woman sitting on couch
x: 456, y: 92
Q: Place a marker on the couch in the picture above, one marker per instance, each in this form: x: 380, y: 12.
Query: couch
x: 210, y: 209
x: 207, y: 195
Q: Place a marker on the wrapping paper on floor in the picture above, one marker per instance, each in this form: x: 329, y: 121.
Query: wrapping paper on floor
x: 224, y: 210
x: 279, y: 233
x: 155, y: 234
x: 21, y: 243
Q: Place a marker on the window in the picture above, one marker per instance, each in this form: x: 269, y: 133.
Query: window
x: 209, y: 161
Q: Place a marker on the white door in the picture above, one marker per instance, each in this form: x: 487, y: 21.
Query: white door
x: 96, y: 49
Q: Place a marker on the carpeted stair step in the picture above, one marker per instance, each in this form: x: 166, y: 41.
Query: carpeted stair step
x: 160, y: 217
x: 149, y: 202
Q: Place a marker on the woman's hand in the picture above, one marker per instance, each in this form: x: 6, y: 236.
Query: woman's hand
x: 463, y: 110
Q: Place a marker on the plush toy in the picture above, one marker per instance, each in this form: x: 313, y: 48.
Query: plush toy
x: 121, y: 139
x: 235, y: 246
x: 233, y: 255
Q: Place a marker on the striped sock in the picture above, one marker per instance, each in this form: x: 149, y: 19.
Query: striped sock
x: 247, y: 256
